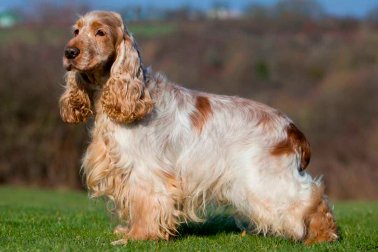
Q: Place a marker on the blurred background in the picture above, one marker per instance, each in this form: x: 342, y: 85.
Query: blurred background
x: 317, y: 61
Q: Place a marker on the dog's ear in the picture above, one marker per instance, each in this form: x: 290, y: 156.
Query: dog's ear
x: 75, y: 104
x: 125, y: 97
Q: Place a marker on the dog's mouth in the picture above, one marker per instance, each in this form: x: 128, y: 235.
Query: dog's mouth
x: 70, y: 65
x: 85, y: 64
x: 67, y: 64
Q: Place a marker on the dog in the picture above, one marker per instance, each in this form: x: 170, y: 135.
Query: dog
x: 161, y: 153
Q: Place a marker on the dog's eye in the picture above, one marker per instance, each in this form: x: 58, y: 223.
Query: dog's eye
x: 100, y: 33
x: 76, y: 32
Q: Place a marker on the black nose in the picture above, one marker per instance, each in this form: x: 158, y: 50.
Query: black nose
x: 71, y: 52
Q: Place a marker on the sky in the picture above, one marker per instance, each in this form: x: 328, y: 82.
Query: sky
x: 355, y: 8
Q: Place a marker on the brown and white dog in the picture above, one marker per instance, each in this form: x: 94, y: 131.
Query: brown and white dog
x: 161, y: 152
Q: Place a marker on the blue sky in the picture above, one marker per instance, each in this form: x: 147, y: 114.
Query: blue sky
x: 357, y: 8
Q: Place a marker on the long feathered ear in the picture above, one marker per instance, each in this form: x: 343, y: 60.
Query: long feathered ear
x: 125, y: 97
x: 75, y: 104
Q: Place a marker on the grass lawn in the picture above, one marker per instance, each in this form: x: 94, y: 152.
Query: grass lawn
x: 33, y: 219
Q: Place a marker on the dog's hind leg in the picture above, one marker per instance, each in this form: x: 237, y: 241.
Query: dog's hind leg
x: 284, y: 202
x: 319, y: 219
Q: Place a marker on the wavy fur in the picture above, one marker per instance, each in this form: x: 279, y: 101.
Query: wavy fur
x: 130, y: 102
x: 75, y: 105
x: 162, y: 153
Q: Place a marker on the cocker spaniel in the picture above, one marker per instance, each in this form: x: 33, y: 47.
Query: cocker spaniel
x: 161, y: 152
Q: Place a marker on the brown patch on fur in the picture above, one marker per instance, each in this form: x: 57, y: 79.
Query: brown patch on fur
x: 319, y: 220
x: 295, y: 142
x: 95, y: 25
x: 80, y: 23
x: 265, y: 119
x: 202, y: 113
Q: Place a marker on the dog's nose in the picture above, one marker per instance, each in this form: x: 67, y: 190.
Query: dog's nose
x: 71, y: 52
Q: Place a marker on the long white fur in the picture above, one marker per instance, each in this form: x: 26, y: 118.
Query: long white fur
x: 228, y: 162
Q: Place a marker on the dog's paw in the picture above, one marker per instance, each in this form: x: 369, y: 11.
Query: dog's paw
x: 120, y: 230
x: 119, y: 242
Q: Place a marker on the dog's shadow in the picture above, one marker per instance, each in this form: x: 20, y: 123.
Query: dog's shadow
x: 212, y: 226
x: 217, y: 222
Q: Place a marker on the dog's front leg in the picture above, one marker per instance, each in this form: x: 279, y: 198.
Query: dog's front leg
x: 152, y: 212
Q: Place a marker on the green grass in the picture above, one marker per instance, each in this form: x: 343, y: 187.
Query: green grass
x: 37, y: 220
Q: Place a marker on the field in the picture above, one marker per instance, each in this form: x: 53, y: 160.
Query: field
x: 321, y: 72
x: 324, y: 78
x: 41, y: 220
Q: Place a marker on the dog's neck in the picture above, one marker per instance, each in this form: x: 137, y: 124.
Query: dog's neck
x: 94, y: 81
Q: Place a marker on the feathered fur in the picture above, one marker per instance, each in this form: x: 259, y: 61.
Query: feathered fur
x: 161, y: 152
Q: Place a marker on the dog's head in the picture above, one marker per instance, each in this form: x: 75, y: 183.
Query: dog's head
x: 103, y: 48
x: 95, y: 39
